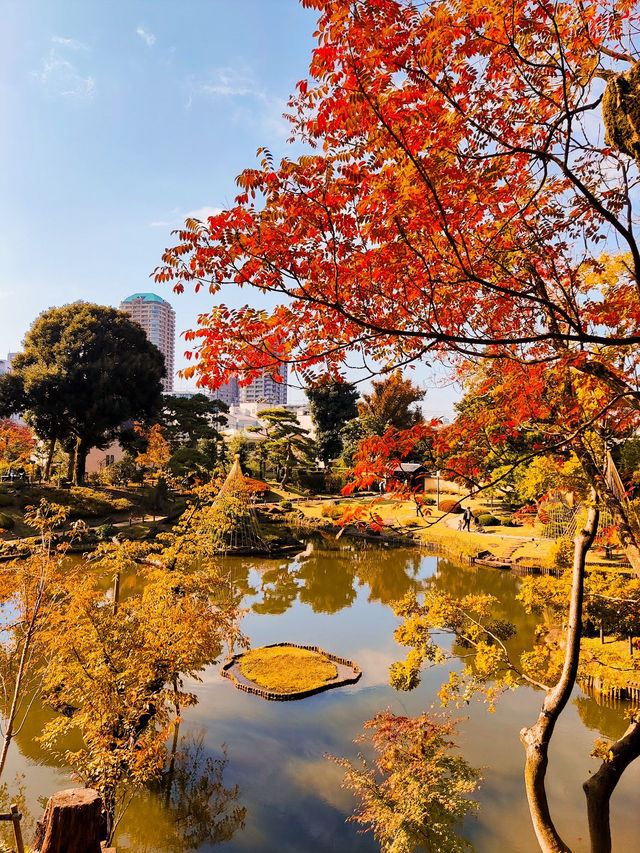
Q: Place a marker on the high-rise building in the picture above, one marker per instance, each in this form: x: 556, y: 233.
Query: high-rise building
x: 228, y: 393
x: 5, y: 363
x: 158, y: 319
x: 264, y: 389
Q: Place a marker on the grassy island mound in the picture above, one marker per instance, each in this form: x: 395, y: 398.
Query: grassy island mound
x: 287, y: 669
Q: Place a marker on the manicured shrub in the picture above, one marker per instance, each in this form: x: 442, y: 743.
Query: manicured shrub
x: 448, y: 505
x: 331, y: 511
x: 561, y: 554
x: 335, y: 481
x: 312, y: 481
x: 80, y: 502
x: 6, y: 522
x: 105, y: 532
x: 488, y: 520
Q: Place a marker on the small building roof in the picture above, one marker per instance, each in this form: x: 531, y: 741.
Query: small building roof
x: 146, y: 297
x: 410, y: 467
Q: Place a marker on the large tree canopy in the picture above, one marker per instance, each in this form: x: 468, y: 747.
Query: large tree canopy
x: 390, y: 403
x: 460, y: 193
x: 455, y: 204
x: 456, y: 196
x: 84, y: 371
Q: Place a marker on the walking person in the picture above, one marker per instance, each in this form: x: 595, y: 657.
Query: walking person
x: 467, y: 515
x: 418, y: 499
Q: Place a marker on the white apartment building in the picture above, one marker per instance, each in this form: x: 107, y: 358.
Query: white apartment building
x: 265, y: 390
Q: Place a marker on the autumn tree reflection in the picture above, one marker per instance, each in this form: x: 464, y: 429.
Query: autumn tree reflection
x: 188, y: 808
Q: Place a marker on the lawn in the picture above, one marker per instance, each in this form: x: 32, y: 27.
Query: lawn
x: 287, y: 669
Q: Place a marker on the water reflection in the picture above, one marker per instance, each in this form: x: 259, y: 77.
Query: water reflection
x: 276, y: 792
x: 279, y: 588
x: 190, y: 807
x: 605, y: 719
x: 459, y: 581
x: 327, y: 580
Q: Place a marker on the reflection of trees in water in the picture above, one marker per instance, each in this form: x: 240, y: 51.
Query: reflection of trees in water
x: 326, y: 579
x: 389, y: 574
x: 236, y: 575
x: 459, y: 581
x: 328, y: 582
x: 607, y: 720
x: 190, y: 807
x: 279, y: 591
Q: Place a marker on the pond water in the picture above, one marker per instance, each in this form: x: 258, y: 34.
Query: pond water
x: 269, y: 787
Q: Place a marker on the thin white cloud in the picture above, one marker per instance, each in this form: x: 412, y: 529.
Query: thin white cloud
x: 148, y: 38
x: 252, y: 104
x: 203, y: 213
x: 227, y: 82
x: 177, y: 217
x: 74, y: 44
x: 60, y: 77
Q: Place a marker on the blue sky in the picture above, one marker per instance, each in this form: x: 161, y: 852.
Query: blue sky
x: 119, y: 119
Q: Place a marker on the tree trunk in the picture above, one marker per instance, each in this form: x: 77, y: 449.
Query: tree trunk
x: 72, y: 823
x: 288, y: 463
x: 116, y: 593
x: 168, y: 780
x: 71, y: 460
x: 599, y: 787
x: 80, y: 462
x: 47, y: 467
x: 536, y: 738
x: 10, y: 721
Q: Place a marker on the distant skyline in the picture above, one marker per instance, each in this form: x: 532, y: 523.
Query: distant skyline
x: 121, y: 119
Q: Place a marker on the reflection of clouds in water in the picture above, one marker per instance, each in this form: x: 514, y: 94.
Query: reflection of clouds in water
x: 321, y: 778
x: 375, y: 665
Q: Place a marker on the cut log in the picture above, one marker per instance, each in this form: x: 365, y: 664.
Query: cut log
x: 71, y: 824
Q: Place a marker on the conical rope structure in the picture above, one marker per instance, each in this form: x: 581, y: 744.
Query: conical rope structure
x: 238, y: 528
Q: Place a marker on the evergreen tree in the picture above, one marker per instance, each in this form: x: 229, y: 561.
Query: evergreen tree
x: 332, y: 405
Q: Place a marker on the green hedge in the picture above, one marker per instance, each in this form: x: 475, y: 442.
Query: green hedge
x: 331, y: 511
x: 488, y: 520
x: 312, y: 481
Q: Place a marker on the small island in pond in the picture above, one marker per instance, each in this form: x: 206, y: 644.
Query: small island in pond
x: 285, y: 671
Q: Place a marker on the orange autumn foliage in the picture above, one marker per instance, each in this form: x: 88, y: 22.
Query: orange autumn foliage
x: 16, y: 444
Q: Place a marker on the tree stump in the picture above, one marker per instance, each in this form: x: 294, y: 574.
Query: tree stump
x: 71, y: 823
